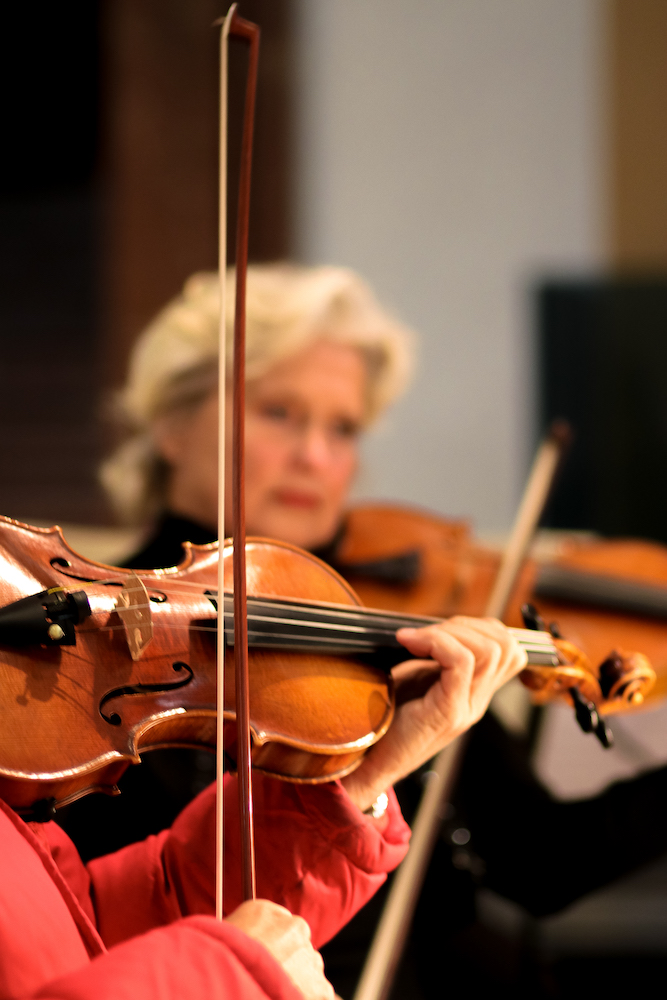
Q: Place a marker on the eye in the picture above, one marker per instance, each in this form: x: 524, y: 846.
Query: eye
x: 346, y: 429
x: 275, y: 411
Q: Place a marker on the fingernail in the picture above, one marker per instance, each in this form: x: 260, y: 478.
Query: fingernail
x: 407, y: 631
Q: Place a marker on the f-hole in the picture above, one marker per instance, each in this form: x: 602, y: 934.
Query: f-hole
x: 114, y: 719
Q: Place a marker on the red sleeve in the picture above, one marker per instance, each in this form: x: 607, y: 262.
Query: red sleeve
x: 193, y: 959
x: 317, y: 854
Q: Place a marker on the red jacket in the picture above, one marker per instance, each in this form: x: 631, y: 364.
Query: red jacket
x: 151, y: 903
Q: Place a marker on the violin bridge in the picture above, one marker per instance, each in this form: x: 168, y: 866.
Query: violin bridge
x: 134, y: 610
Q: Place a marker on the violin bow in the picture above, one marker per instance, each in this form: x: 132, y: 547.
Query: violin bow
x: 389, y: 940
x: 234, y: 26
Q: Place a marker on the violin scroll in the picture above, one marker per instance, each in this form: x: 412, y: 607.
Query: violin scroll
x: 626, y: 678
x: 622, y: 681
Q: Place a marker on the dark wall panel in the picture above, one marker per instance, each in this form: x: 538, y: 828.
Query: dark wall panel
x: 108, y: 201
x: 603, y: 366
x: 50, y: 209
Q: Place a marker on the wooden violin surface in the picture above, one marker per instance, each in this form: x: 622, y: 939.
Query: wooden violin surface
x: 74, y: 717
x: 313, y: 715
x: 452, y: 574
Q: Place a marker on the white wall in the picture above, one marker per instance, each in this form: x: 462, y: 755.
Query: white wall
x: 450, y: 150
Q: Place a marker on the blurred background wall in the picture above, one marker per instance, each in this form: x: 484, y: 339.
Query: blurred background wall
x: 453, y: 152
x: 108, y: 201
x: 50, y: 238
x: 459, y: 153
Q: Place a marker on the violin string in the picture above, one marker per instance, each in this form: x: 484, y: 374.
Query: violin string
x: 536, y: 644
x: 331, y: 610
x: 336, y: 643
x: 340, y: 619
x: 299, y: 609
x: 354, y: 619
x: 371, y: 629
x: 303, y: 606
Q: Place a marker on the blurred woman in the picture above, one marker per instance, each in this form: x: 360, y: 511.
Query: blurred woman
x: 324, y: 360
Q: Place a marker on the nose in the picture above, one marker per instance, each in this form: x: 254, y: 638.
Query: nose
x: 313, y: 448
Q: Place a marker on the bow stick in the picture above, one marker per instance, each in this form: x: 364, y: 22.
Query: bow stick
x: 235, y: 27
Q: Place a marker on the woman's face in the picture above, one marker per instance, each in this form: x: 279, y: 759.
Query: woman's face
x: 302, y: 425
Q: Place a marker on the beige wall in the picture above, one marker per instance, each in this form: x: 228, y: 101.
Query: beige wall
x: 451, y: 151
x: 454, y: 151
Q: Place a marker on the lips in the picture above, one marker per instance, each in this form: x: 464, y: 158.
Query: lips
x: 298, y: 499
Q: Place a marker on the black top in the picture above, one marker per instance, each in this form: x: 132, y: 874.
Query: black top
x: 165, y: 545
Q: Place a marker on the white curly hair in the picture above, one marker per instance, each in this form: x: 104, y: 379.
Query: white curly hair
x: 174, y: 363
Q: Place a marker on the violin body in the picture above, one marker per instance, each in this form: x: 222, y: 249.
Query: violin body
x: 54, y: 741
x: 453, y: 574
x: 74, y: 717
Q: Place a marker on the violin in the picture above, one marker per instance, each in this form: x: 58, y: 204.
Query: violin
x: 603, y: 588
x: 601, y: 593
x: 100, y: 664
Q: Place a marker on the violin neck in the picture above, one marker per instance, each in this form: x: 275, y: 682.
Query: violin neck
x: 283, y: 623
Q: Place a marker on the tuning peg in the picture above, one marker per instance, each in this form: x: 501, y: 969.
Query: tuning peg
x: 604, y: 734
x: 532, y: 619
x: 587, y: 716
x: 585, y: 711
